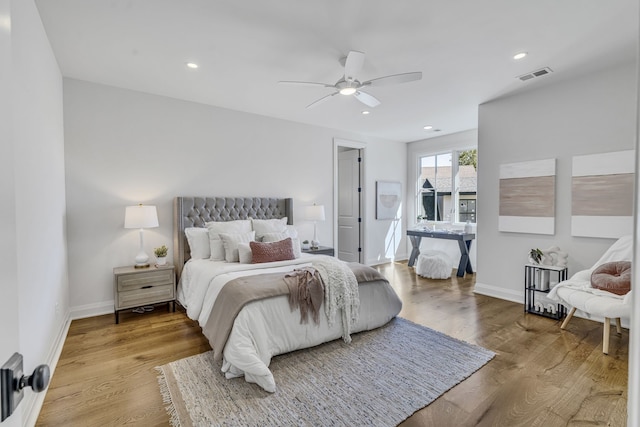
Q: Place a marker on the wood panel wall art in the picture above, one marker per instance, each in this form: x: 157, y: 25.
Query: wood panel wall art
x: 602, y: 194
x: 527, y: 197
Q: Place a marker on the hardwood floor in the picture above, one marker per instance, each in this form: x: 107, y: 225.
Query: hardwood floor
x: 541, y: 375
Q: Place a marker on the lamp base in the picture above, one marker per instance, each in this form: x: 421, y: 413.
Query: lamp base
x: 142, y: 259
x: 315, y: 244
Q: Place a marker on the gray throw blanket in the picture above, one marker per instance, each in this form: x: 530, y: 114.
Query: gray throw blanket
x: 306, y: 292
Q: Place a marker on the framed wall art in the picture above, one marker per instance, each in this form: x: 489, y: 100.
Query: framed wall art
x: 602, y: 194
x: 388, y: 198
x: 527, y: 197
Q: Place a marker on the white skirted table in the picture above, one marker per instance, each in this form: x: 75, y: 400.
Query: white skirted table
x: 464, y: 243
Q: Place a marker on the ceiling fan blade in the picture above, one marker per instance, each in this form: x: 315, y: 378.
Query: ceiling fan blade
x: 394, y: 79
x: 366, y: 99
x: 353, y: 64
x: 289, y: 82
x: 321, y: 100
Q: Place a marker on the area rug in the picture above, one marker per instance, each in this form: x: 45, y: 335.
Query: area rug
x: 381, y: 378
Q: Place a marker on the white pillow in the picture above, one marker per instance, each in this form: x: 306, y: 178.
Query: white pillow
x: 289, y: 231
x: 292, y: 231
x: 273, y: 237
x: 231, y: 241
x: 216, y: 227
x: 198, y: 239
x: 297, y: 251
x: 265, y: 226
x: 216, y: 247
x: 244, y: 253
x: 276, y: 237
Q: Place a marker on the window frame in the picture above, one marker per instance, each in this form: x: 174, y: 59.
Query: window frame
x: 455, y: 185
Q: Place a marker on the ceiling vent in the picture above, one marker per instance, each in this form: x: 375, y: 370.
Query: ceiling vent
x: 538, y: 73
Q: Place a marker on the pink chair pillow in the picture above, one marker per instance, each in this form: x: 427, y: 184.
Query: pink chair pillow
x: 614, y: 277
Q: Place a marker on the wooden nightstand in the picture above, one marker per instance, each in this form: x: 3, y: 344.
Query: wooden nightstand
x: 321, y: 250
x: 134, y: 287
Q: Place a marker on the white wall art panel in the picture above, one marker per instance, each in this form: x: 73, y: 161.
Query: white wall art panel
x: 602, y: 194
x: 527, y: 197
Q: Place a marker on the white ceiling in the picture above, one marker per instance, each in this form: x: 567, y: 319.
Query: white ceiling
x: 464, y: 49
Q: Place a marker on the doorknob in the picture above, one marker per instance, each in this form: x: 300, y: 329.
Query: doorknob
x: 38, y: 381
x: 12, y: 383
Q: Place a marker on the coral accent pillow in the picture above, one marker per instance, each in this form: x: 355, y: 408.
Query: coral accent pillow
x: 614, y: 277
x: 281, y: 250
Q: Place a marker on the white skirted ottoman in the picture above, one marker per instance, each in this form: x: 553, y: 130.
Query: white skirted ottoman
x: 434, y: 265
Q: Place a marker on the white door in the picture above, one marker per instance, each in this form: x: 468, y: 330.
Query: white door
x: 349, y: 202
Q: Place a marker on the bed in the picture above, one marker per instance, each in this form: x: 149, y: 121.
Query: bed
x: 265, y: 327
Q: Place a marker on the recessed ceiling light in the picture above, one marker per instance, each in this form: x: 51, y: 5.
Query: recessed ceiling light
x: 428, y: 127
x: 519, y: 55
x: 192, y: 65
x: 365, y: 112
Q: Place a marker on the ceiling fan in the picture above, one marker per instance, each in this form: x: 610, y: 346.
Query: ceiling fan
x: 350, y: 85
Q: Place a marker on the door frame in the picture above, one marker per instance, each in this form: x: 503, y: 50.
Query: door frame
x: 337, y: 143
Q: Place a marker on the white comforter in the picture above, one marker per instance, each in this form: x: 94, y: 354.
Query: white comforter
x: 268, y: 327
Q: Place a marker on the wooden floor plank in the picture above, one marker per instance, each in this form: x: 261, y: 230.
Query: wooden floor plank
x: 541, y: 375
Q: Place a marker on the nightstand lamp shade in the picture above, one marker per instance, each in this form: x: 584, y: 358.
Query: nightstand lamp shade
x: 141, y: 217
x: 315, y: 213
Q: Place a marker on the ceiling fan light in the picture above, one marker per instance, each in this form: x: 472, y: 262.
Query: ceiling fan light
x: 347, y: 91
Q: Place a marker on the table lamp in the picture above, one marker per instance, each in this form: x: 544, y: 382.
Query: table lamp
x: 315, y: 213
x: 141, y: 217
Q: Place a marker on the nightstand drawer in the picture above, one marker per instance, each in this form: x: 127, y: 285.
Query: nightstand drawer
x: 129, y: 282
x: 146, y: 296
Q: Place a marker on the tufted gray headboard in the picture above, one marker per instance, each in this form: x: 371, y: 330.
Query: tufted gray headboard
x: 195, y: 211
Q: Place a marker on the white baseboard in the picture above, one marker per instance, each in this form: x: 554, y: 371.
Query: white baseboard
x: 91, y: 310
x: 384, y: 260
x: 33, y: 401
x: 498, y: 292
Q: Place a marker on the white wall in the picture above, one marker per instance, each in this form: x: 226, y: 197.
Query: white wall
x: 385, y: 240
x: 455, y: 141
x: 124, y: 147
x: 591, y: 114
x: 33, y: 251
x: 9, y: 320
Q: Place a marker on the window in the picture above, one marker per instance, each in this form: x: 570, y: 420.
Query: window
x: 447, y: 186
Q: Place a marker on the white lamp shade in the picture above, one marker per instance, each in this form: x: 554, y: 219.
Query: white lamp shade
x: 140, y: 216
x: 315, y: 213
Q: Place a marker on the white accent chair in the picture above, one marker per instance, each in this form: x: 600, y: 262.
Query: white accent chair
x: 577, y: 293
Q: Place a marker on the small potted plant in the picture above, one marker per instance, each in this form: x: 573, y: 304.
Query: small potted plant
x: 305, y: 245
x: 535, y: 256
x: 161, y: 254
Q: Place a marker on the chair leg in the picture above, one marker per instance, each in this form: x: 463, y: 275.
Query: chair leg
x: 618, y: 326
x: 605, y: 335
x: 569, y: 316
